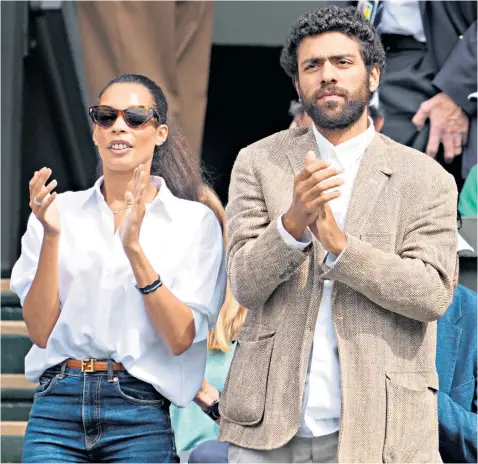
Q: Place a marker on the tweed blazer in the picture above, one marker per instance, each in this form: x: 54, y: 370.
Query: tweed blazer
x: 392, y: 281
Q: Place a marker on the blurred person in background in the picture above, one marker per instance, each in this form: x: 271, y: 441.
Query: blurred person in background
x: 456, y: 365
x: 431, y: 69
x: 376, y: 113
x: 170, y: 41
x: 197, y: 426
x: 299, y: 117
x: 119, y: 285
x: 468, y: 204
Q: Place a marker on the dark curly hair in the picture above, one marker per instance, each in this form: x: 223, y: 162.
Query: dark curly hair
x: 349, y: 21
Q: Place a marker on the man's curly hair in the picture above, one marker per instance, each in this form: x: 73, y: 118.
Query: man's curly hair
x: 347, y: 20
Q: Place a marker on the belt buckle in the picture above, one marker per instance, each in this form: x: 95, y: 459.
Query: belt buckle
x: 88, y: 365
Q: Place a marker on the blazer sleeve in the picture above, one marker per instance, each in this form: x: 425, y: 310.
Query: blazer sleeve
x: 458, y: 429
x: 416, y: 280
x: 259, y: 259
x: 457, y: 77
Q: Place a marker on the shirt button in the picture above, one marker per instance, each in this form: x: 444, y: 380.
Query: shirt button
x: 460, y: 37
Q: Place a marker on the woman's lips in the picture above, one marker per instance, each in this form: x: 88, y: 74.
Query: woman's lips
x: 120, y: 151
x: 119, y: 147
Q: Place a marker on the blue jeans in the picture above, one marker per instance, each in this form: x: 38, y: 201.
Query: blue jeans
x: 97, y: 417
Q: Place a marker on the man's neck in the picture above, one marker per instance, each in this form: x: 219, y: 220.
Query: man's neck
x: 338, y: 136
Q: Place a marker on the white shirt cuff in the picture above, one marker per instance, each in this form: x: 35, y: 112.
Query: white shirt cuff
x: 306, y: 239
x: 201, y: 326
x: 331, y: 260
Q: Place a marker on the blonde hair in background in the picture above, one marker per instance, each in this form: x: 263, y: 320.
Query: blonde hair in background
x: 232, y: 314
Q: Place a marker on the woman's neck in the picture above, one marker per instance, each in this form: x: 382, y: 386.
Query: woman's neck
x: 115, y: 184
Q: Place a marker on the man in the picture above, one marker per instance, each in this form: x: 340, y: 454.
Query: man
x: 431, y: 69
x: 456, y: 366
x: 345, y: 261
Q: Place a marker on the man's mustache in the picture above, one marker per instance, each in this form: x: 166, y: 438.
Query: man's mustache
x: 322, y: 92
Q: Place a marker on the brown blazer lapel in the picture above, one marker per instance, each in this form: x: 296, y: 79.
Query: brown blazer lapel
x: 374, y: 172
x: 298, y: 148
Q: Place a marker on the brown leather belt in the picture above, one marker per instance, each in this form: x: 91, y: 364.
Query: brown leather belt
x: 92, y: 365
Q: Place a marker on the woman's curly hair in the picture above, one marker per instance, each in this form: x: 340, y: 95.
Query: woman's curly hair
x: 347, y: 20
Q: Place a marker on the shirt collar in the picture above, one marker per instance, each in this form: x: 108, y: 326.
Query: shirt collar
x: 164, y: 198
x: 347, y: 153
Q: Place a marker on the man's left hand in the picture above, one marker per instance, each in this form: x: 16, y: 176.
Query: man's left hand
x: 448, y: 125
x: 328, y: 232
x: 325, y: 227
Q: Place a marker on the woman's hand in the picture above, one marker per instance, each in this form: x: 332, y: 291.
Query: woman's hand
x: 206, y: 395
x: 135, y: 208
x: 42, y: 202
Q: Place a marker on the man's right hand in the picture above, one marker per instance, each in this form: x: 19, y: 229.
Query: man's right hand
x: 311, y: 190
x: 42, y: 202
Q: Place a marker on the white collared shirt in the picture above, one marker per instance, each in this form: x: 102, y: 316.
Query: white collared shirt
x: 102, y: 313
x: 321, y: 401
x: 402, y: 17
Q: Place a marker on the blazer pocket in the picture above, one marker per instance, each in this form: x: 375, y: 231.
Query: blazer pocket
x: 244, y: 395
x: 411, y: 430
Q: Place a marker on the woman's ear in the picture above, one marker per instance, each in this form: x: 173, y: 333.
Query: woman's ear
x: 161, y: 134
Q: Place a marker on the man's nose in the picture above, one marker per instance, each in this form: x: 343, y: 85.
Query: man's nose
x: 328, y: 73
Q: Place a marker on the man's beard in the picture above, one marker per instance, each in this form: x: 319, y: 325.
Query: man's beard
x: 351, y: 112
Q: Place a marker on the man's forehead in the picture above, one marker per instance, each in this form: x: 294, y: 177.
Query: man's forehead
x: 330, y: 44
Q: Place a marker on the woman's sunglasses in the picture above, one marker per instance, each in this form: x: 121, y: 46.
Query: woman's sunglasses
x: 134, y: 117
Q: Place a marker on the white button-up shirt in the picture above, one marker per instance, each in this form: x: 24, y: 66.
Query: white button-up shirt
x: 402, y: 17
x: 102, y: 313
x: 321, y: 402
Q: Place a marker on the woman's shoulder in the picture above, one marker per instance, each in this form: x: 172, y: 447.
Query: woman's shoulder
x: 193, y: 211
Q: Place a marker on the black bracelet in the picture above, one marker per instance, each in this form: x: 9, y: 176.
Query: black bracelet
x: 151, y: 287
x: 213, y: 410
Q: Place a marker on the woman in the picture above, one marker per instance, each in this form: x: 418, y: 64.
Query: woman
x: 119, y: 285
x: 192, y: 426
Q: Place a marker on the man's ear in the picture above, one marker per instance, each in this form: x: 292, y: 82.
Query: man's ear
x: 374, y: 78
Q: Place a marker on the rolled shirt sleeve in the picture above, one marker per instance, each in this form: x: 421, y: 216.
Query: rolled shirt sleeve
x: 201, y: 279
x: 25, y: 268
